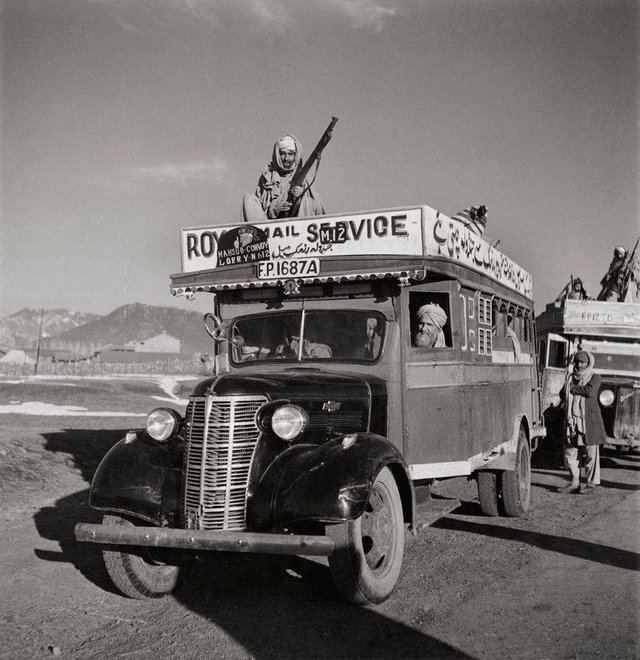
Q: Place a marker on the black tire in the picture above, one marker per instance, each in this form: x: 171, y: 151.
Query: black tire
x: 368, y: 552
x: 489, y: 493
x: 516, y: 484
x: 143, y: 572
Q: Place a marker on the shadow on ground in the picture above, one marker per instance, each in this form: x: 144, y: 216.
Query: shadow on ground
x: 85, y: 448
x: 603, y: 554
x: 274, y: 607
x: 250, y: 596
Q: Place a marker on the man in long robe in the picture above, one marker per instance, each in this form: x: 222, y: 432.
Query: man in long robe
x: 584, y: 428
x: 271, y: 198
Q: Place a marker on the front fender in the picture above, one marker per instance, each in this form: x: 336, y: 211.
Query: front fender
x: 325, y: 483
x: 139, y: 478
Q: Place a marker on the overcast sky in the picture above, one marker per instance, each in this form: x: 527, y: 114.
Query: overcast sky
x: 125, y: 120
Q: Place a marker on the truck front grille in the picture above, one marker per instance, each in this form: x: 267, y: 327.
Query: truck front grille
x: 222, y: 435
x: 627, y: 421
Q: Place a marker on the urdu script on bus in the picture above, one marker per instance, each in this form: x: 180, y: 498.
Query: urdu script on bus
x: 457, y: 242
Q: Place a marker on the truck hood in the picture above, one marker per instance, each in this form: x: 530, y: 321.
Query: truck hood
x: 344, y: 401
x: 295, y: 383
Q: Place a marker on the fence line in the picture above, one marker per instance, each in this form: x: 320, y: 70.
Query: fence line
x: 79, y: 369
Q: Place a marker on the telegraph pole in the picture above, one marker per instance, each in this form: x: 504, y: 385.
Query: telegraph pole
x: 35, y: 371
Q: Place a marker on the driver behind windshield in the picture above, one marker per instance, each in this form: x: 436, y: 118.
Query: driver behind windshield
x: 290, y: 347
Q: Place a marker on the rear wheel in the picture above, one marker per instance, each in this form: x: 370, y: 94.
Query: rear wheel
x: 368, y: 552
x: 489, y: 493
x: 516, y: 484
x: 143, y: 572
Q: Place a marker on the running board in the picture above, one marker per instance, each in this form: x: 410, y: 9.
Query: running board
x: 432, y: 509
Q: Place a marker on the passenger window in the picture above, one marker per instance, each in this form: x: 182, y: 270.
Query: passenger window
x: 485, y: 324
x: 499, y: 321
x: 430, y: 320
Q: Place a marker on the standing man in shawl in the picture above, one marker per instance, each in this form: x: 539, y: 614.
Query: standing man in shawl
x: 271, y: 198
x: 584, y: 426
x: 431, y: 319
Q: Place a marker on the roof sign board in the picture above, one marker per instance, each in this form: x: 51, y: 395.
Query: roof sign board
x: 302, y: 247
x: 601, y: 318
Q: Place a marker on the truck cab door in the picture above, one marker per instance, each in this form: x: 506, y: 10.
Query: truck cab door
x: 556, y: 354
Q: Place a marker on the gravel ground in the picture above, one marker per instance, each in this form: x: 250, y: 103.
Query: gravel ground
x: 559, y: 583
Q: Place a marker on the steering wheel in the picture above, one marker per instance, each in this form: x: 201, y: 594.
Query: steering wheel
x: 213, y: 326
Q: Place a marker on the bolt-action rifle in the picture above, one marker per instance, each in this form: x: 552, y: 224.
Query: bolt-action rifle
x: 626, y: 271
x: 298, y: 178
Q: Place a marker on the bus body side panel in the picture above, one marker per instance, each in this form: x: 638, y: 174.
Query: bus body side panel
x: 494, y: 408
x: 455, y: 422
x: 436, y: 424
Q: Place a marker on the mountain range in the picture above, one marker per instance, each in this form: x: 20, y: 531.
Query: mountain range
x: 62, y: 328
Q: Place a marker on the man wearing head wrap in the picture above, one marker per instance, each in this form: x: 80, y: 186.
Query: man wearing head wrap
x: 612, y: 283
x: 431, y: 318
x: 271, y: 198
x: 584, y: 428
x: 577, y: 291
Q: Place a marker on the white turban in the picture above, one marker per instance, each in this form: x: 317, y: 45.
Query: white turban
x: 287, y: 142
x: 432, y: 313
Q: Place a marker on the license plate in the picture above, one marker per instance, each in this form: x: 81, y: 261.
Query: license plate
x: 275, y: 268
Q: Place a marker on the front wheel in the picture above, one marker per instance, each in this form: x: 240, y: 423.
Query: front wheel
x: 368, y: 551
x: 516, y: 484
x: 143, y: 572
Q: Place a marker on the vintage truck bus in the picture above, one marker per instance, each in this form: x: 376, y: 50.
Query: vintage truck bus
x: 329, y: 415
x: 611, y: 332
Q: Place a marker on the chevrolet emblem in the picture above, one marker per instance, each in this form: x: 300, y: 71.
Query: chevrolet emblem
x: 331, y: 406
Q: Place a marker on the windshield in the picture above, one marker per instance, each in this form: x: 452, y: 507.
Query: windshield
x: 317, y: 335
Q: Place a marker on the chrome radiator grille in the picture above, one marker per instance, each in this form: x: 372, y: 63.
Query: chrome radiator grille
x: 221, y: 439
x: 627, y: 422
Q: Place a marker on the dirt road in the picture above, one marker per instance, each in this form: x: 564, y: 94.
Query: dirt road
x: 560, y: 583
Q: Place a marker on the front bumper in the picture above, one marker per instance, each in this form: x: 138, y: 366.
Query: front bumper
x: 191, y: 539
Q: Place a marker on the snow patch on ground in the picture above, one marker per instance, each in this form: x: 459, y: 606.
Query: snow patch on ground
x: 52, y: 410
x: 174, y: 400
x: 42, y: 381
x: 168, y: 384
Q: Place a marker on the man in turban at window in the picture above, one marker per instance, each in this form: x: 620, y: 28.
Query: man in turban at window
x: 431, y: 319
x: 271, y: 198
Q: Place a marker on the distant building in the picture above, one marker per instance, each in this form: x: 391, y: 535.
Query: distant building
x: 162, y: 343
x: 16, y: 356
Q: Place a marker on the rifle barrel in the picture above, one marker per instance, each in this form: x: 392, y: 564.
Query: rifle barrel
x: 303, y: 169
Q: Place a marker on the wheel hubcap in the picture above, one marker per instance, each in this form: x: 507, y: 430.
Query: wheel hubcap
x: 378, y: 531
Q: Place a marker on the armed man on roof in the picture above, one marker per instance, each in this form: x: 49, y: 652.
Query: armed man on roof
x: 283, y: 190
x: 620, y: 283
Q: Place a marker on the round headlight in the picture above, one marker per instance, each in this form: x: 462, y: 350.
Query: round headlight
x: 607, y: 397
x: 162, y: 423
x: 289, y: 421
